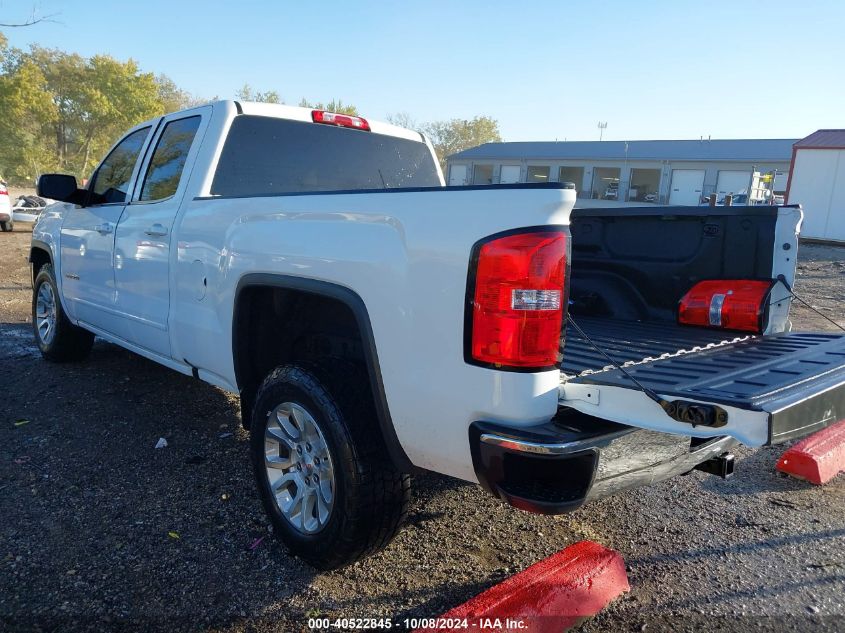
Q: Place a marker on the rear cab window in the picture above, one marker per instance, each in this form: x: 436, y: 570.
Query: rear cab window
x: 267, y: 155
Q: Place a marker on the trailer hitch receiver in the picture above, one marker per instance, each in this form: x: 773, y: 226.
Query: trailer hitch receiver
x: 721, y: 466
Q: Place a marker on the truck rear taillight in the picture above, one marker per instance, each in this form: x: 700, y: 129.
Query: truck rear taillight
x: 3, y: 190
x: 516, y: 298
x: 731, y: 304
x: 341, y: 120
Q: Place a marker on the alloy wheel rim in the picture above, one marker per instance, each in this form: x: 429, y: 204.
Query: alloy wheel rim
x: 299, y: 467
x: 45, y: 313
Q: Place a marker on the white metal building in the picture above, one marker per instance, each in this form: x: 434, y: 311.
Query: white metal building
x: 817, y: 183
x: 666, y: 172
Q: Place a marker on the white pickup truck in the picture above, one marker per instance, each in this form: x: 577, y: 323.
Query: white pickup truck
x: 375, y: 322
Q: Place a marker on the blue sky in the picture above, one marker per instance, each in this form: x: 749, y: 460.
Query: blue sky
x: 545, y: 70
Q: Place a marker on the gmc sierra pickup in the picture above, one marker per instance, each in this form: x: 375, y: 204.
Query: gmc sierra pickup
x: 374, y: 321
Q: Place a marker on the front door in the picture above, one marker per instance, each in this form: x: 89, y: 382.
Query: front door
x: 144, y: 236
x: 87, y: 238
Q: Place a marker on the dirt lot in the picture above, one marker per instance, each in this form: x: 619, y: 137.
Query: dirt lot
x: 101, y: 531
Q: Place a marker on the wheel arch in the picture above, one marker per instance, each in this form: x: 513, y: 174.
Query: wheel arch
x: 241, y: 339
x: 39, y: 254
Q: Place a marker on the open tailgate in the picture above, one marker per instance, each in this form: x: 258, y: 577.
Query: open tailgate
x: 772, y: 388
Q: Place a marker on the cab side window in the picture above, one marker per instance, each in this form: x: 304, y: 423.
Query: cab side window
x: 111, y: 180
x: 171, y: 152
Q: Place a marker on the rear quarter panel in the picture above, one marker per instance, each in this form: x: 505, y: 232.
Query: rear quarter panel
x: 406, y: 254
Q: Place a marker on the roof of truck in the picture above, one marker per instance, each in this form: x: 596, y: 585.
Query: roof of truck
x: 297, y: 113
x: 701, y: 150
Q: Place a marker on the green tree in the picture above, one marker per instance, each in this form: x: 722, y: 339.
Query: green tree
x: 248, y: 94
x: 335, y: 105
x: 402, y: 119
x: 115, y: 96
x: 172, y: 97
x: 455, y: 135
x: 61, y: 112
x: 26, y: 114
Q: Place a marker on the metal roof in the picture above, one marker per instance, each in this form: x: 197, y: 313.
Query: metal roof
x: 703, y: 150
x: 823, y: 139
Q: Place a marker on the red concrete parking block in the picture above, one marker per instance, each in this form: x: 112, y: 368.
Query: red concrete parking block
x: 552, y: 595
x: 817, y: 458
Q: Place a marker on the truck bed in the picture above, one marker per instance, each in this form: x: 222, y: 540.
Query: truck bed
x: 633, y: 342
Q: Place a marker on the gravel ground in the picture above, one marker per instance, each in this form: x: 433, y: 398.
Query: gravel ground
x: 101, y: 531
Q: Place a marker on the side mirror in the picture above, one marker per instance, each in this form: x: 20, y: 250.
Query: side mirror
x: 59, y: 187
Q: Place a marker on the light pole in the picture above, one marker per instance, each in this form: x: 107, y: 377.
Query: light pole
x: 602, y: 128
x: 625, y: 174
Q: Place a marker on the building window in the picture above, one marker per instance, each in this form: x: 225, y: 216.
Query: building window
x: 574, y: 175
x: 606, y: 183
x: 537, y: 173
x: 482, y: 175
x: 645, y: 185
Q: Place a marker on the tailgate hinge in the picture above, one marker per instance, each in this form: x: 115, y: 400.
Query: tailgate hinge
x: 575, y: 391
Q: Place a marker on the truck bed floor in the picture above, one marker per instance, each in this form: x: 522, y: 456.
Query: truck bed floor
x: 633, y: 341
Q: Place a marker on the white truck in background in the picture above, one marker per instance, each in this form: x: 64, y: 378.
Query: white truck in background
x: 375, y: 322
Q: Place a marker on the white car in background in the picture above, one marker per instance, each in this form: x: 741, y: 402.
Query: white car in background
x: 27, y: 208
x: 6, y: 222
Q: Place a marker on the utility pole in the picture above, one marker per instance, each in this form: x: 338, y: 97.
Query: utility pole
x: 625, y: 176
x: 602, y: 128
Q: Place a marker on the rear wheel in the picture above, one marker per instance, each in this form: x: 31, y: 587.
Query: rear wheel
x: 324, y: 478
x: 58, y: 339
x: 7, y: 226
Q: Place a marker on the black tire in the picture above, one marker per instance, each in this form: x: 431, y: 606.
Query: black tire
x: 7, y: 226
x: 69, y: 342
x: 370, y: 497
x: 34, y: 201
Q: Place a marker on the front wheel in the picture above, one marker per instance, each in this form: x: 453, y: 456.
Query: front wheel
x: 58, y: 339
x: 324, y: 479
x: 7, y: 226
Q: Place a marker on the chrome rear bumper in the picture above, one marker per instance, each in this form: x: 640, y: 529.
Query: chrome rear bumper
x: 642, y: 457
x: 555, y: 468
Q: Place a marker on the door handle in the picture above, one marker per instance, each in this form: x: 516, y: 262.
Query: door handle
x: 104, y: 229
x: 156, y: 230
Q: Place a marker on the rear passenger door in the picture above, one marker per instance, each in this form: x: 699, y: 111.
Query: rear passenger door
x: 144, y: 238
